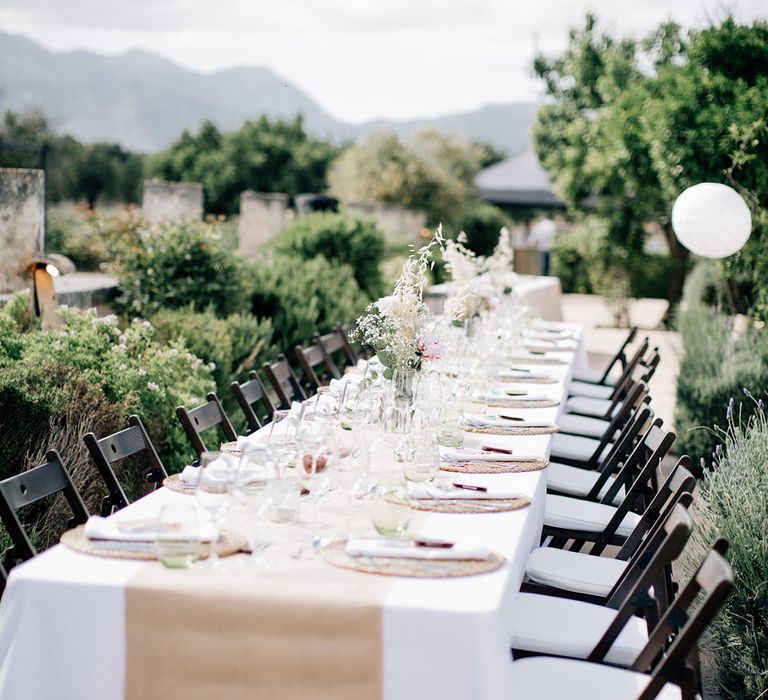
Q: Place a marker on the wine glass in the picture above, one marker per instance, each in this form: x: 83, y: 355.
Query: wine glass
x: 256, y: 470
x: 314, y: 459
x: 217, y: 472
x: 278, y: 416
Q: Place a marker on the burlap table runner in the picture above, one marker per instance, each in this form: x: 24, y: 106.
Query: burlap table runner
x: 299, y: 630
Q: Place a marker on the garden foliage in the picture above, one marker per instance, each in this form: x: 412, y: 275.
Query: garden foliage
x: 733, y: 505
x: 357, y: 243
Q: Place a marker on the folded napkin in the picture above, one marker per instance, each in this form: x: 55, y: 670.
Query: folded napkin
x: 531, y: 356
x: 477, y: 421
x: 548, y: 335
x: 190, y: 476
x: 110, y: 530
x: 501, y: 396
x: 451, y: 493
x: 551, y: 344
x: 553, y: 325
x: 380, y: 547
x: 469, y: 455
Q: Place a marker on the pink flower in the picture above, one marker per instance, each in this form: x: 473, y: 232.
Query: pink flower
x: 430, y: 347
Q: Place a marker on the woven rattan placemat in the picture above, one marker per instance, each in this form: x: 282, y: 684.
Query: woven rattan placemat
x: 335, y: 554
x: 229, y: 543
x: 482, y: 467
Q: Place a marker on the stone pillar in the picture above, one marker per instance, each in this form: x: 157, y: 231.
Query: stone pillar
x: 262, y: 217
x: 171, y: 201
x: 399, y: 225
x: 22, y: 224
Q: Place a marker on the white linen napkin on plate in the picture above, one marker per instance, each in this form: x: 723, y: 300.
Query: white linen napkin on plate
x: 380, y: 547
x: 451, y: 493
x: 108, y: 529
x: 501, y: 396
x: 469, y: 455
x: 548, y: 335
x: 518, y: 374
x: 477, y: 421
x: 551, y: 344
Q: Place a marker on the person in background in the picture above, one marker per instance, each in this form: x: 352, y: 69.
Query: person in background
x: 542, y: 236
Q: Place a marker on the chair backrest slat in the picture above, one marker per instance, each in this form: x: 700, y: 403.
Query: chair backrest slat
x: 104, y: 452
x: 712, y: 582
x: 284, y: 382
x: 247, y: 396
x: 196, y: 421
x: 28, y: 488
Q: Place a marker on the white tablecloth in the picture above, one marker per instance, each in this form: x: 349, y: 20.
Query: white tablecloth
x: 62, y: 617
x: 542, y: 294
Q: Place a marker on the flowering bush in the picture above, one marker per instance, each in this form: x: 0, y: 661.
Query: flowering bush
x: 125, y: 365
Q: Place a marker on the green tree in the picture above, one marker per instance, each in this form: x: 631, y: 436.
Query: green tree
x: 263, y: 155
x: 635, y: 123
x: 433, y: 172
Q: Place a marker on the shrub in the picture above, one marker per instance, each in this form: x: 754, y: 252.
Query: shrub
x: 69, y: 233
x: 232, y: 345
x: 339, y: 239
x: 126, y: 365
x: 584, y: 259
x: 172, y: 266
x: 705, y: 284
x: 715, y: 366
x: 482, y: 222
x: 302, y: 296
x: 733, y: 504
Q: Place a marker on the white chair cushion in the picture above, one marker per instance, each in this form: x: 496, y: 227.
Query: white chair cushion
x: 578, y: 482
x: 546, y: 678
x: 597, y: 408
x: 574, y: 571
x: 576, y: 447
x: 572, y: 628
x: 583, y: 425
x: 577, y: 514
x: 593, y: 376
x: 595, y: 391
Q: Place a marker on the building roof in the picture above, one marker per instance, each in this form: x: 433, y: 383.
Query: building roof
x: 519, y: 180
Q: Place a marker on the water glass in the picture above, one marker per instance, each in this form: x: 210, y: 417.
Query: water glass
x: 178, y: 536
x: 217, y: 474
x: 391, y: 513
x: 426, y: 460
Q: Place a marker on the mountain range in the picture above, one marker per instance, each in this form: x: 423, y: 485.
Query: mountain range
x: 143, y: 101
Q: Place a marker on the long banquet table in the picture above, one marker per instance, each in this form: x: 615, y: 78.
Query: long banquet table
x: 79, y: 627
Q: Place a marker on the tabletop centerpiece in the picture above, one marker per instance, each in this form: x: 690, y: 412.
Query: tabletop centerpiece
x: 398, y: 326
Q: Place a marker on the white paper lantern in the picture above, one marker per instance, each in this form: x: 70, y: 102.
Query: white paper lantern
x: 711, y: 220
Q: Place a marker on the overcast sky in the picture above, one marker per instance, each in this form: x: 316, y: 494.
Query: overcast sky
x: 359, y: 59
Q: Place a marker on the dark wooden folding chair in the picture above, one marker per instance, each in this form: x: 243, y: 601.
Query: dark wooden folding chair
x: 684, y: 621
x: 636, y: 360
x: 250, y: 394
x: 656, y: 442
x: 108, y: 450
x: 619, y: 358
x: 676, y: 489
x: 634, y: 428
x: 337, y: 349
x: 284, y: 382
x: 317, y: 369
x: 644, y: 574
x: 28, y: 488
x: 207, y: 416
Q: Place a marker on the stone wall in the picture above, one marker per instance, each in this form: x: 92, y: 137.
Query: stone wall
x: 22, y: 224
x: 398, y: 224
x: 262, y: 217
x: 171, y: 201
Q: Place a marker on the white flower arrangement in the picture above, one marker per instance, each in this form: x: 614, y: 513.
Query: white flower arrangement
x: 475, y: 293
x: 395, y: 326
x: 499, y: 266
